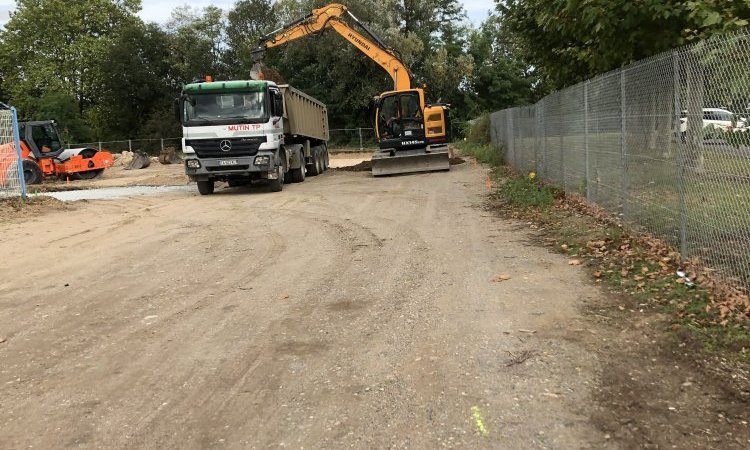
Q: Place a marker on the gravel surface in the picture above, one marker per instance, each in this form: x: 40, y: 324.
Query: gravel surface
x: 347, y: 311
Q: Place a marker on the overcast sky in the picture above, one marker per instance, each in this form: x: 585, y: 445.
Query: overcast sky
x: 158, y: 10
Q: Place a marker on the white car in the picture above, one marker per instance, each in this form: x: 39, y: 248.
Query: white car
x: 717, y: 118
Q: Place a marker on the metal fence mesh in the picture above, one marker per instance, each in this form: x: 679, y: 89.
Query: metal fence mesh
x: 10, y: 182
x: 664, y: 143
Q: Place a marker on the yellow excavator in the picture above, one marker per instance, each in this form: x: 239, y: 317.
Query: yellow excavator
x: 412, y: 135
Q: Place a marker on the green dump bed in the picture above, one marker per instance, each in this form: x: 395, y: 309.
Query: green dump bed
x: 304, y: 116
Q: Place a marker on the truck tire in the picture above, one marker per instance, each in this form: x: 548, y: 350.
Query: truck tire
x: 277, y: 185
x: 32, y: 173
x: 298, y: 175
x: 206, y: 187
x: 321, y: 157
x: 326, y: 159
x: 313, y: 169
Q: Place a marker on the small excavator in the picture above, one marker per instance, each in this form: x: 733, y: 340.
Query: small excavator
x: 44, y: 155
x: 412, y: 135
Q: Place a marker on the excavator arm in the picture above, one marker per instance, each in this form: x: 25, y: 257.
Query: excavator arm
x: 332, y: 16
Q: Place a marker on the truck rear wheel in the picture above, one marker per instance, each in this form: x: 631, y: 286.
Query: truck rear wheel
x: 321, y: 158
x: 298, y: 175
x: 206, y: 187
x: 313, y: 169
x: 32, y: 173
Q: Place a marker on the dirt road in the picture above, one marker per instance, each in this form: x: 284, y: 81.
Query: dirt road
x: 343, y: 312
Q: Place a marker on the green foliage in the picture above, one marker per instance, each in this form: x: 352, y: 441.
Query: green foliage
x: 55, y: 46
x: 479, y: 131
x: 571, y: 40
x: 526, y: 192
x: 485, y: 154
x: 107, y: 75
x: 63, y: 108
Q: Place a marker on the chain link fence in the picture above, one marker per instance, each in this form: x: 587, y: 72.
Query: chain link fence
x: 341, y: 140
x: 11, y: 165
x: 150, y: 146
x: 664, y: 143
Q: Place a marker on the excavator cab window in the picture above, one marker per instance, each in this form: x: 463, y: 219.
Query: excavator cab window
x: 400, y: 115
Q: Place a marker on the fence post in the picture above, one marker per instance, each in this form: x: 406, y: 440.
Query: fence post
x: 361, y: 148
x: 100, y: 145
x: 680, y: 153
x: 544, y: 140
x: 623, y: 146
x: 162, y: 145
x: 17, y: 143
x: 562, y: 141
x: 130, y: 145
x: 586, y: 138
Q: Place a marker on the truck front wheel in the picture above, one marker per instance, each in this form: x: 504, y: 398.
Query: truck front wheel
x: 278, y: 184
x: 206, y: 187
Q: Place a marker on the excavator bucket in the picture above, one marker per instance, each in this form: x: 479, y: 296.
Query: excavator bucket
x: 391, y: 162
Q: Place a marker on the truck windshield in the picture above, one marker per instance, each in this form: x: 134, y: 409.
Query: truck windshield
x: 225, y: 108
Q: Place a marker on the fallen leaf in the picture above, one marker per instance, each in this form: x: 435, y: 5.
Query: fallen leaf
x: 680, y: 281
x: 574, y: 262
x: 283, y: 296
x: 644, y: 269
x: 501, y: 278
x: 597, y: 274
x: 2, y: 340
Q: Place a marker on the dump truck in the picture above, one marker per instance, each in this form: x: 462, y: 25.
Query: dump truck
x: 246, y: 131
x: 43, y: 154
x: 413, y: 135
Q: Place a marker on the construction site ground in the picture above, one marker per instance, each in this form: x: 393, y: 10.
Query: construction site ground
x: 344, y: 312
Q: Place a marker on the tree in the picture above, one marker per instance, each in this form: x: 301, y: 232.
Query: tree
x: 197, y: 42
x: 499, y: 79
x: 247, y: 21
x: 37, y: 58
x: 136, y: 79
x: 571, y: 40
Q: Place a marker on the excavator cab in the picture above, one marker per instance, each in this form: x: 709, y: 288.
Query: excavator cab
x: 400, y: 122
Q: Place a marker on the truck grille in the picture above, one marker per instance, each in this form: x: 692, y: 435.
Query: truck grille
x: 215, y: 148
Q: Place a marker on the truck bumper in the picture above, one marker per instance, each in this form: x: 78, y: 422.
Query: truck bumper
x: 261, y: 166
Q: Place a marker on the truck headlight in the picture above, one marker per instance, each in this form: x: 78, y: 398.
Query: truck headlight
x: 262, y: 160
x: 193, y: 164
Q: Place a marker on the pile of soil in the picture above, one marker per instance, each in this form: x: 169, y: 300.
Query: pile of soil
x: 15, y: 208
x: 364, y: 166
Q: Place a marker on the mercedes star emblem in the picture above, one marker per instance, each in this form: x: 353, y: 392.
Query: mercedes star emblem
x: 225, y: 146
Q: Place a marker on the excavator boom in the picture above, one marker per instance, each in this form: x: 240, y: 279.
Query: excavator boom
x: 331, y: 17
x: 412, y: 135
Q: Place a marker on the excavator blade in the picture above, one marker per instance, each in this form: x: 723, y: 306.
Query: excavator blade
x: 430, y: 159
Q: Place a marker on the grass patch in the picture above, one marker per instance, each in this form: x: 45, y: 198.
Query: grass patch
x: 483, y: 153
x: 526, y: 192
x: 640, y: 269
